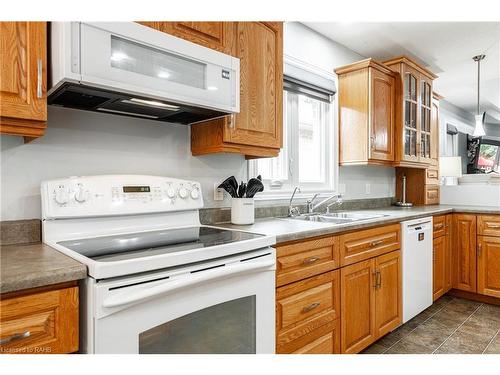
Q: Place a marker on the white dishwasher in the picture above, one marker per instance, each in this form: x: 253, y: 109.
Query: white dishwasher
x: 417, y: 266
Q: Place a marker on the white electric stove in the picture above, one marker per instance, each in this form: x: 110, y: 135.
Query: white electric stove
x: 159, y: 282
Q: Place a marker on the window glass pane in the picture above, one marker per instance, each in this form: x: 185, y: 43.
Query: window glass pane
x: 488, y: 155
x: 311, y: 140
x: 226, y: 328
x: 156, y: 63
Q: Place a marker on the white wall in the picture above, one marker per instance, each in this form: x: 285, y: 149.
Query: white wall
x: 453, y: 115
x: 305, y: 44
x: 86, y: 143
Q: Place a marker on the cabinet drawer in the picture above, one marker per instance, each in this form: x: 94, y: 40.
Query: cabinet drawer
x: 488, y: 225
x: 432, y: 176
x: 45, y: 322
x: 365, y: 244
x: 439, y: 226
x: 308, y: 258
x: 329, y: 343
x: 305, y: 306
x: 432, y: 194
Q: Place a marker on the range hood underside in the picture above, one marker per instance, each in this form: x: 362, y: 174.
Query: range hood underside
x: 73, y: 95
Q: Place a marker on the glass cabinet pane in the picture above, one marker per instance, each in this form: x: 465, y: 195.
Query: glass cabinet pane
x: 413, y: 87
x: 413, y: 115
x: 226, y: 328
x: 152, y: 62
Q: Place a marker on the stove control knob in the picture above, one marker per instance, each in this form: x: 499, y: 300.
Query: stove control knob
x: 195, y: 193
x: 171, y: 192
x: 183, y: 193
x: 61, y: 196
x: 80, y: 195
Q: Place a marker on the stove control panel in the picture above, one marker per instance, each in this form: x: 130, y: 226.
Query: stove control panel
x: 117, y: 195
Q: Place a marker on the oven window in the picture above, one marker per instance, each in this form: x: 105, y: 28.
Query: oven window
x: 156, y: 63
x: 226, y: 328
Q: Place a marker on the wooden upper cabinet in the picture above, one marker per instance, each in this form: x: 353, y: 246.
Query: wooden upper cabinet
x: 366, y: 113
x: 413, y: 113
x: 256, y: 131
x: 214, y: 35
x: 464, y: 252
x: 23, y: 82
x: 488, y: 266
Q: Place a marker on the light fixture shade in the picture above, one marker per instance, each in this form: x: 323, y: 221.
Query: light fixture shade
x: 450, y: 166
x: 479, y: 128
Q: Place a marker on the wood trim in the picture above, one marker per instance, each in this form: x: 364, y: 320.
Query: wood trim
x: 40, y: 289
x: 474, y: 296
x: 406, y: 60
x: 370, y: 62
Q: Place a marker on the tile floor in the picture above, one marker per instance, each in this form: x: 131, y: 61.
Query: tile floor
x: 450, y: 326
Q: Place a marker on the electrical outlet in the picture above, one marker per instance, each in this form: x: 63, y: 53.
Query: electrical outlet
x: 368, y: 188
x: 218, y: 193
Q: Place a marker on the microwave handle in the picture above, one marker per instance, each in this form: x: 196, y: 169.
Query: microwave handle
x: 132, y: 297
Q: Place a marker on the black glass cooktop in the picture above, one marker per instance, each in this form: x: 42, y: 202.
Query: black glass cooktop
x: 143, y: 244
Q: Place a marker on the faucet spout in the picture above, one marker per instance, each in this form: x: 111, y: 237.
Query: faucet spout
x: 339, y: 201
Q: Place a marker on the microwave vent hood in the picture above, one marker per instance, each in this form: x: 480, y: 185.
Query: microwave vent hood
x: 124, y: 68
x: 77, y: 96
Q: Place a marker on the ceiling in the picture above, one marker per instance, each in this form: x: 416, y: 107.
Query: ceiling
x: 446, y: 48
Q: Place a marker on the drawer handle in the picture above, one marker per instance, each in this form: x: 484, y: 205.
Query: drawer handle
x: 494, y: 225
x: 375, y: 243
x: 310, y: 260
x: 310, y: 307
x: 438, y: 226
x: 479, y: 250
x: 15, y: 337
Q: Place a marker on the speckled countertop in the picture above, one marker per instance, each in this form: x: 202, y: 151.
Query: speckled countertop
x: 28, y: 266
x: 286, y: 229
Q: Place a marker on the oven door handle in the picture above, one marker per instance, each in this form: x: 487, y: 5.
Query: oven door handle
x: 147, y: 292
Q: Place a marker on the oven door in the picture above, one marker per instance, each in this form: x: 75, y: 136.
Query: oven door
x: 131, y: 58
x: 219, y: 307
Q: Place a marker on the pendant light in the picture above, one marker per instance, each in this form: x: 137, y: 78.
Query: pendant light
x: 479, y: 129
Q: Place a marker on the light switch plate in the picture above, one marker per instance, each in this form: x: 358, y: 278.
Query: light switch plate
x: 218, y: 193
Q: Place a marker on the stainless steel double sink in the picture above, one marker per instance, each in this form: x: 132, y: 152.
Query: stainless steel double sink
x: 337, y: 217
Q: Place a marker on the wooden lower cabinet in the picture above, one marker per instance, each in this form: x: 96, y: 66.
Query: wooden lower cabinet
x: 371, y: 300
x: 329, y: 343
x: 304, y: 308
x: 40, y: 323
x: 488, y: 266
x: 388, y: 294
x: 464, y: 252
x: 439, y: 267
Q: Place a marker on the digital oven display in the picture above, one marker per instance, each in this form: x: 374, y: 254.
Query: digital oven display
x: 136, y: 189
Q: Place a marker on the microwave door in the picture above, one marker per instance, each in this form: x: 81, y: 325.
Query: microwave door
x: 172, y: 69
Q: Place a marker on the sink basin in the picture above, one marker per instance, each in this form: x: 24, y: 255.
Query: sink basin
x: 338, y: 217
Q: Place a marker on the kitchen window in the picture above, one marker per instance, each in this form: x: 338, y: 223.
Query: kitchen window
x: 308, y: 156
x: 489, y: 156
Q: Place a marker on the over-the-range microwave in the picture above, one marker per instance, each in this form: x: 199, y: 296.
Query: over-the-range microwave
x: 129, y: 69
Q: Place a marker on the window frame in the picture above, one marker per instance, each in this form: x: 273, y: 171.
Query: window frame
x: 291, y: 145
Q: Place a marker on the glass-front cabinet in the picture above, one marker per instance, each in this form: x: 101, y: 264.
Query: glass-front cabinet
x: 414, y: 131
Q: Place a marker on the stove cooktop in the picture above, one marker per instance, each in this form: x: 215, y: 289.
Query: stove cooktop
x: 145, y: 244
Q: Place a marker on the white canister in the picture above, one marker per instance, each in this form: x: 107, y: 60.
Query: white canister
x: 242, y: 211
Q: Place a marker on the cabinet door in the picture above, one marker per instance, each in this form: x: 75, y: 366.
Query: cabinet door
x: 464, y: 252
x: 410, y: 113
x: 259, y: 46
x: 358, y: 306
x: 23, y: 64
x: 435, y: 132
x: 214, y: 35
x: 424, y: 123
x: 382, y: 96
x: 388, y: 293
x: 438, y: 268
x: 488, y: 266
